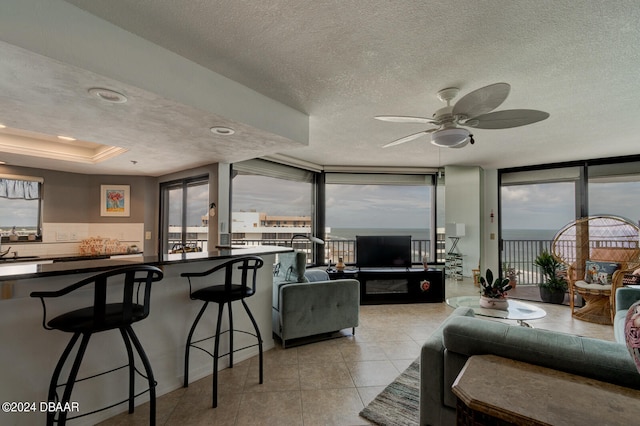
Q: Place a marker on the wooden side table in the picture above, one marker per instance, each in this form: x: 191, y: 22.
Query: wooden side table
x: 498, y: 391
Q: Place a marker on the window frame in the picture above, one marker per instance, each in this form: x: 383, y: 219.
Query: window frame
x: 37, y: 238
x: 165, y: 187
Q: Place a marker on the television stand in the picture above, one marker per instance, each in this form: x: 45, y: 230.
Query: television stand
x: 396, y: 285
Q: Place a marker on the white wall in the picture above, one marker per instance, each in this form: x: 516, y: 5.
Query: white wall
x: 462, y: 205
x: 489, y: 245
x: 64, y: 238
x: 471, y: 195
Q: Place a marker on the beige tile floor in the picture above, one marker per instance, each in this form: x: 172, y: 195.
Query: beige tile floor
x: 329, y: 382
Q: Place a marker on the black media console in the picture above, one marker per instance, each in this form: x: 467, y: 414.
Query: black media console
x: 396, y: 285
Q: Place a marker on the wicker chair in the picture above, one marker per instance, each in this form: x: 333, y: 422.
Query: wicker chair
x: 608, y: 242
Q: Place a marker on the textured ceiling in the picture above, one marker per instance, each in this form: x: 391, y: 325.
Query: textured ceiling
x: 342, y: 63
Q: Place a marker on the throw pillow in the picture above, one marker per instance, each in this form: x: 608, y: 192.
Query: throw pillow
x: 632, y: 332
x: 631, y: 279
x: 599, y: 272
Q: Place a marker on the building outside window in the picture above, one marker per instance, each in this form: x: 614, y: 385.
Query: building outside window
x: 185, y: 210
x: 270, y: 204
x: 20, y: 208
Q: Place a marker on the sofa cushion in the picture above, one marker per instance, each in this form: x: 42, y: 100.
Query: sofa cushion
x: 594, y: 286
x: 316, y: 275
x: 599, y: 272
x: 631, y: 279
x: 594, y: 358
x: 618, y: 326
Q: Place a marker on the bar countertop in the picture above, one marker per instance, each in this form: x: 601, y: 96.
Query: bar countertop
x: 32, y: 269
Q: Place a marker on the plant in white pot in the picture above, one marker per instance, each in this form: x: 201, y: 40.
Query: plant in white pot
x: 555, y: 285
x: 493, y: 292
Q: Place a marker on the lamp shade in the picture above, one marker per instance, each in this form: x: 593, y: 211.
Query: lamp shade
x: 448, y: 138
x: 455, y: 229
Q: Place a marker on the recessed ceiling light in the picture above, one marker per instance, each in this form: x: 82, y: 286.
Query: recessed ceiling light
x: 108, y: 95
x: 66, y: 138
x: 222, y: 131
x: 2, y: 126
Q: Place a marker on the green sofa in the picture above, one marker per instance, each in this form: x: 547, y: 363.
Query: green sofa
x: 463, y: 335
x: 306, y: 303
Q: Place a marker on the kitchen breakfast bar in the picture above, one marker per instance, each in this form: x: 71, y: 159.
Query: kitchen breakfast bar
x: 29, y: 353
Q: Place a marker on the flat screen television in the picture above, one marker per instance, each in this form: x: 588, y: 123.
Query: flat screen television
x: 383, y: 251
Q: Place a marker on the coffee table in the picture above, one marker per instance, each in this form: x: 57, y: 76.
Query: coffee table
x: 498, y: 391
x: 517, y: 310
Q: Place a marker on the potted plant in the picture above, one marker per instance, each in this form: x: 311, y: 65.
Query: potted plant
x: 511, y: 274
x: 555, y: 285
x: 493, y: 292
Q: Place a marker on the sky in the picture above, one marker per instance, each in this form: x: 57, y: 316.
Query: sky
x: 552, y: 205
x: 18, y: 213
x: 347, y: 206
x: 540, y: 206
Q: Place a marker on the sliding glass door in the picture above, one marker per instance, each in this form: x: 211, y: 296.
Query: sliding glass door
x: 534, y: 206
x: 185, y: 215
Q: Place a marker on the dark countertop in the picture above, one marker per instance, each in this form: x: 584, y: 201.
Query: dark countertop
x: 66, y: 265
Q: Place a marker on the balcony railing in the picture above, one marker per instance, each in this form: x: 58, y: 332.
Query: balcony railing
x: 518, y: 254
x: 345, y: 249
x: 521, y: 255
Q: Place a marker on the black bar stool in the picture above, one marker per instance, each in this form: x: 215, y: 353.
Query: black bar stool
x: 132, y: 306
x: 231, y: 290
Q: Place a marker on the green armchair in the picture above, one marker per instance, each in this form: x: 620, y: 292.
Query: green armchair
x: 307, y: 303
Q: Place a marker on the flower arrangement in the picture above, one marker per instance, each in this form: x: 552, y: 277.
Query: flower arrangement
x: 494, y: 289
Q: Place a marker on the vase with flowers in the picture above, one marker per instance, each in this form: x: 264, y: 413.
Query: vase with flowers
x: 493, y: 293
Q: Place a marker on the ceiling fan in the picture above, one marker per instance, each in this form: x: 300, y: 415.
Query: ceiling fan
x: 472, y: 110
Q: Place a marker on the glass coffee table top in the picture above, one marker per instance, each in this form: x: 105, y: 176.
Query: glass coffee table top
x: 517, y: 310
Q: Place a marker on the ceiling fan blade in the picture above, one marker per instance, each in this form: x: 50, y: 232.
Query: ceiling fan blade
x: 405, y: 119
x: 409, y: 138
x: 507, y: 119
x: 482, y: 101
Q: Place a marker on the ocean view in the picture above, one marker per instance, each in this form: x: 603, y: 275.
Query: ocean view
x: 423, y: 233
x: 351, y: 233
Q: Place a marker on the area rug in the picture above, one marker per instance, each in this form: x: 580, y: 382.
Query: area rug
x: 399, y: 403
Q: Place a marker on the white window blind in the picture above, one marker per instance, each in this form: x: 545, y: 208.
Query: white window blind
x: 564, y: 174
x: 378, y: 179
x: 274, y: 170
x: 20, y: 187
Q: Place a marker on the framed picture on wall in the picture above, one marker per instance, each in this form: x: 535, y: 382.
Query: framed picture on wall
x: 115, y: 200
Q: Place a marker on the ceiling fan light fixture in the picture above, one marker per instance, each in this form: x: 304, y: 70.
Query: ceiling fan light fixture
x: 447, y: 138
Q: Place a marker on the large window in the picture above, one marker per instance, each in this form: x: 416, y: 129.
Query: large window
x: 613, y: 190
x: 20, y: 208
x: 535, y: 204
x: 185, y: 215
x: 272, y: 203
x: 378, y: 204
